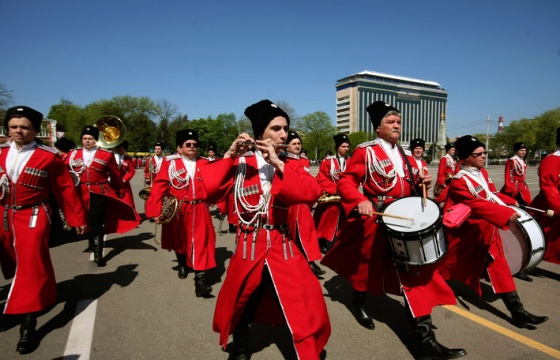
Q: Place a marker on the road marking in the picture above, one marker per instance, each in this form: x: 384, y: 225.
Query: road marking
x: 502, y: 330
x: 81, y: 332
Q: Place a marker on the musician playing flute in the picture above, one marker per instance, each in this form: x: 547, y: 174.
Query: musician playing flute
x: 361, y: 254
x: 190, y: 234
x: 475, y: 247
x: 549, y: 199
x: 328, y: 216
x: 300, y: 219
x: 267, y: 270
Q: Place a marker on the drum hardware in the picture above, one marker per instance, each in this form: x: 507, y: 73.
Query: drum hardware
x: 523, y: 242
x: 111, y: 131
x: 548, y: 213
x: 417, y: 243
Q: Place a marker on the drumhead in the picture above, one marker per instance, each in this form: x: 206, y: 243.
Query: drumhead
x: 425, y: 220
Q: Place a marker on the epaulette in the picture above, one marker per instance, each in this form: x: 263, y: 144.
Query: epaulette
x: 172, y: 157
x: 407, y: 152
x: 6, y: 144
x: 289, y: 155
x: 458, y: 175
x: 47, y: 148
x: 103, y: 149
x: 330, y: 157
x: 368, y: 143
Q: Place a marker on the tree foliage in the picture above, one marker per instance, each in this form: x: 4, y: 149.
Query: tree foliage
x: 317, y: 132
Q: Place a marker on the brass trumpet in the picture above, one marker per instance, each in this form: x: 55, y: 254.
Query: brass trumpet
x: 439, y: 188
x: 326, y: 198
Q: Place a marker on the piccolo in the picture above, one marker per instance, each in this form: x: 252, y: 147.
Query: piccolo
x: 252, y: 143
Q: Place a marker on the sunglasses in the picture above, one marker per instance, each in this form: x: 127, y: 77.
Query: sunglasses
x: 475, y: 155
x: 189, y: 145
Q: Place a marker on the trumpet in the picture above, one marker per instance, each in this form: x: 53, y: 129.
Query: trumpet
x: 252, y: 143
x: 326, y: 198
x: 439, y: 188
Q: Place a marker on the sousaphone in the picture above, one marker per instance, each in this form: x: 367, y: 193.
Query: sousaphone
x: 111, y: 131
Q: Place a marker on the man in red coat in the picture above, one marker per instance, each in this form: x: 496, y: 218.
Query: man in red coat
x: 475, y: 247
x: 361, y: 255
x: 515, y: 172
x: 268, y: 279
x: 448, y: 167
x: 190, y: 234
x: 300, y: 218
x: 328, y: 217
x: 63, y: 146
x: 153, y: 164
x: 106, y: 212
x: 549, y: 199
x: 127, y: 171
x: 29, y: 175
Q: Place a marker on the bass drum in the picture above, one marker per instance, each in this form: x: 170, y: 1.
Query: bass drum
x: 419, y: 241
x: 523, y: 242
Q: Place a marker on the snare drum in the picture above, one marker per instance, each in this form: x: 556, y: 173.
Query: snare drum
x: 419, y: 241
x: 523, y: 242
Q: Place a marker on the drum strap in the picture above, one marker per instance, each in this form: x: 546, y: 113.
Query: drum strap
x: 410, y: 174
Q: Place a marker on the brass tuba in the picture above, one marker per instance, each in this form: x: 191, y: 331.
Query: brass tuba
x: 111, y: 131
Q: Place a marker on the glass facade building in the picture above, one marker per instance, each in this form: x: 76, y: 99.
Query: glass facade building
x: 422, y: 104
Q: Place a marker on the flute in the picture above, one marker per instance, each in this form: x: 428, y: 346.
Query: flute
x: 252, y: 143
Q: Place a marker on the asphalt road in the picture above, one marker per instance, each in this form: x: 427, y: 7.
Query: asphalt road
x: 137, y: 308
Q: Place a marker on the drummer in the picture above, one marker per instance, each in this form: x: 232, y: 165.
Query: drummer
x: 475, y: 247
x: 387, y: 174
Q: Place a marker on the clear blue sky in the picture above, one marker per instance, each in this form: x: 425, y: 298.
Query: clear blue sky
x: 494, y: 57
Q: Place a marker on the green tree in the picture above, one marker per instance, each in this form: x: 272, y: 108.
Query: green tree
x: 317, y: 132
x: 6, y: 97
x: 357, y: 138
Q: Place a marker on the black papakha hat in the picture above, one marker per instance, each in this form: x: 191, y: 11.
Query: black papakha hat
x: 64, y: 144
x: 378, y: 110
x: 414, y: 143
x: 90, y: 130
x: 518, y: 146
x: 183, y: 135
x: 262, y: 113
x: 465, y: 145
x: 291, y: 136
x: 340, y: 139
x: 449, y: 146
x: 24, y: 111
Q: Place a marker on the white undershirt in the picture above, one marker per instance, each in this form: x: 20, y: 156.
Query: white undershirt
x: 89, y: 155
x: 16, y: 159
x: 190, y: 165
x: 394, y: 155
x: 158, y: 160
x: 266, y: 171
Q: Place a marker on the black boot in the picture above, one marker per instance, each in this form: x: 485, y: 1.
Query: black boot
x: 98, y: 250
x: 359, y: 312
x: 232, y: 228
x: 316, y: 269
x: 28, y: 335
x: 240, y: 345
x: 519, y: 316
x: 90, y: 244
x: 183, y: 269
x: 183, y: 272
x: 427, y: 347
x: 323, y: 245
x: 200, y: 287
x: 523, y: 276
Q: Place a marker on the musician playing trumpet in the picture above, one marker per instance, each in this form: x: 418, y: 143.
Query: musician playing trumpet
x: 448, y: 167
x: 327, y: 216
x: 153, y: 164
x: 361, y: 254
x: 190, y: 234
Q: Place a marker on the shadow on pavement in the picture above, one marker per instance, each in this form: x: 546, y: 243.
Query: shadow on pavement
x: 132, y: 242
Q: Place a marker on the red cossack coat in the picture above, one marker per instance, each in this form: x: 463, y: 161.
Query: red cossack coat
x: 549, y: 199
x: 191, y: 231
x: 362, y: 253
x: 300, y: 221
x: 448, y: 167
x: 128, y: 171
x: 469, y: 245
x: 299, y: 292
x: 24, y: 244
x: 328, y: 216
x: 121, y: 216
x: 514, y: 180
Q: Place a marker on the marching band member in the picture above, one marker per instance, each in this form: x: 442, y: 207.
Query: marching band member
x: 448, y: 167
x: 475, y: 247
x: 153, y: 164
x: 361, y: 255
x: 106, y: 212
x: 267, y: 270
x: 63, y: 146
x: 327, y: 216
x: 29, y: 174
x: 211, y: 151
x: 549, y: 199
x: 300, y: 218
x: 190, y: 234
x: 127, y: 172
x: 516, y: 170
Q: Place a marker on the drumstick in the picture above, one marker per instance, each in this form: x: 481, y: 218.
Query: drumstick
x: 549, y: 213
x: 393, y: 216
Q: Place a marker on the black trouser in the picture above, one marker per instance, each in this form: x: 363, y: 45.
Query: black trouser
x: 97, y: 214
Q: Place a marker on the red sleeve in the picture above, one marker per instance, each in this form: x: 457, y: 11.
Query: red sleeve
x: 160, y: 188
x: 114, y: 173
x: 549, y: 182
x: 217, y: 177
x: 296, y: 185
x: 324, y: 177
x: 350, y: 181
x: 147, y: 168
x: 509, y: 185
x: 130, y: 172
x: 65, y: 192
